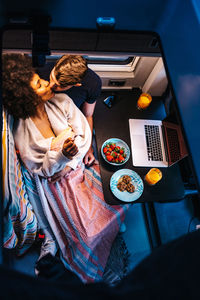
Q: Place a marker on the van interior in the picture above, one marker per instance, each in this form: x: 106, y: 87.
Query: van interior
x: 128, y: 64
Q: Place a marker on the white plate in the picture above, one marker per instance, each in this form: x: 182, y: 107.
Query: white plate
x: 119, y: 143
x: 135, y: 180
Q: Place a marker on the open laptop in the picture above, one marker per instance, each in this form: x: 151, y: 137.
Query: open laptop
x: 156, y: 143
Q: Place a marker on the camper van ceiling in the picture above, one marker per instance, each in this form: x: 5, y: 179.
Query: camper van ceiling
x: 90, y: 41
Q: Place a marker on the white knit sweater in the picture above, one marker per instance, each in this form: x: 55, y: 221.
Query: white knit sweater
x: 35, y: 151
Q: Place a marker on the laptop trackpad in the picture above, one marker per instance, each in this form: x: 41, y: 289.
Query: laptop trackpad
x: 138, y: 141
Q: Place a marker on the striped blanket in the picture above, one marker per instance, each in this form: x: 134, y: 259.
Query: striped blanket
x: 83, y: 224
x: 20, y: 224
x: 72, y: 213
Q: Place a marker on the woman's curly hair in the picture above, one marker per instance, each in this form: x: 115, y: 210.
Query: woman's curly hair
x: 19, y: 99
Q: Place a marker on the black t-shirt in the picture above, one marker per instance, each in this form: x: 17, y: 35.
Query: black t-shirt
x: 88, y: 92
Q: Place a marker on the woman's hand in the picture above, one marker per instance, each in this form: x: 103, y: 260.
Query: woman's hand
x: 69, y: 148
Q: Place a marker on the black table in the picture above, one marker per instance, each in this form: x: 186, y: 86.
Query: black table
x: 113, y: 122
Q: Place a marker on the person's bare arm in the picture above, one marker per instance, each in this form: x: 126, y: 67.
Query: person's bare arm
x: 88, y: 110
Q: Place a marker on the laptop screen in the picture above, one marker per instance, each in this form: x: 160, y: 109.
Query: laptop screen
x: 174, y: 142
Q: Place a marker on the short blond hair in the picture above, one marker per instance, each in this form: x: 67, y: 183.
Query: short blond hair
x: 70, y: 69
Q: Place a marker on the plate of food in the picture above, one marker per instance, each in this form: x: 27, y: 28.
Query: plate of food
x: 115, y: 151
x: 126, y: 185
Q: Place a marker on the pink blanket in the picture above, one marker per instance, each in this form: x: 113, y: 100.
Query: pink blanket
x: 83, y: 224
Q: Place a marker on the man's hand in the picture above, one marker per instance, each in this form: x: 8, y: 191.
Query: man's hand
x: 57, y: 176
x: 89, y: 158
x: 69, y: 148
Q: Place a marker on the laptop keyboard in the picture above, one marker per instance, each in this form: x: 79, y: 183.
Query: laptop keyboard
x: 154, y: 149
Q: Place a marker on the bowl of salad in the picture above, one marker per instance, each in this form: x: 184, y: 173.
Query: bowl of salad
x: 115, y: 151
